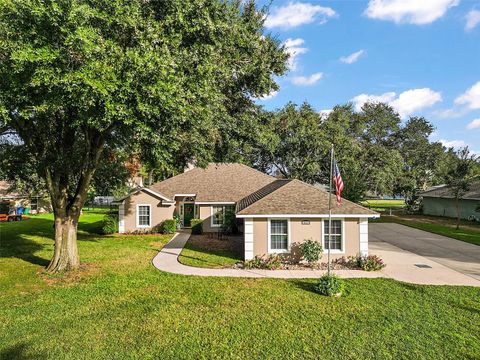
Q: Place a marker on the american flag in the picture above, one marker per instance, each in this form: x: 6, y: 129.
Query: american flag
x: 337, y: 179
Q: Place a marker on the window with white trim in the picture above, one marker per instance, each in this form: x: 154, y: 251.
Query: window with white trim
x: 218, y: 214
x: 336, y: 235
x: 144, y: 215
x: 279, y: 234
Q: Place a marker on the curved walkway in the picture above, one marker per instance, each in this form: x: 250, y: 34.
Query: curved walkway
x: 167, y: 260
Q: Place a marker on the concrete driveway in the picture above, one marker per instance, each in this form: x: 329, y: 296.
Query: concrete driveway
x: 454, y: 254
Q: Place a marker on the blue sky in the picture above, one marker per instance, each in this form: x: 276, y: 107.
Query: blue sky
x: 421, y: 56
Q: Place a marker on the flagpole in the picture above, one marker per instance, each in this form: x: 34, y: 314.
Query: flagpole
x: 330, y: 212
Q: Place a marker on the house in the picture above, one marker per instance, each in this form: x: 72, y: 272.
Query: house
x: 14, y: 199
x: 275, y: 215
x: 439, y: 201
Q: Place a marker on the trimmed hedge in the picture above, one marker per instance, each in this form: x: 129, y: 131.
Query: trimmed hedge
x: 329, y: 285
x: 197, y: 226
x: 110, y: 224
x: 169, y: 226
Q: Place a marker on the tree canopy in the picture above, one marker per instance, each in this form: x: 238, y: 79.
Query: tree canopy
x: 167, y: 79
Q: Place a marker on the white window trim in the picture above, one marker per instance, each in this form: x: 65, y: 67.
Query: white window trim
x: 289, y: 237
x: 332, y: 251
x: 211, y: 214
x: 138, y: 217
x: 215, y: 203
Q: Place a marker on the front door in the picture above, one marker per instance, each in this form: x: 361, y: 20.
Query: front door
x: 187, y: 214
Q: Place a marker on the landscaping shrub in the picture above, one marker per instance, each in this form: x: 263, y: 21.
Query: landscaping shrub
x: 110, y: 224
x: 169, y: 226
x: 311, y: 250
x: 367, y: 263
x: 197, y: 226
x: 230, y: 223
x: 329, y: 285
x: 271, y: 262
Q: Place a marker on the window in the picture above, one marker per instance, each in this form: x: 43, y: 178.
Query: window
x: 336, y: 235
x: 143, y: 215
x: 34, y: 204
x: 278, y: 235
x: 218, y: 214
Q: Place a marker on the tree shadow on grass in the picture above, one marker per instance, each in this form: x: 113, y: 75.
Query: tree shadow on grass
x: 20, y: 352
x: 24, y: 239
x: 304, y: 285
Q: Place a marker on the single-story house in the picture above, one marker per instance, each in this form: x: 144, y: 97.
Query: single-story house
x: 35, y: 203
x: 275, y: 215
x: 439, y: 201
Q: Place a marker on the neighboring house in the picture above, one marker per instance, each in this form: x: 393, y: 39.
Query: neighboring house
x: 36, y: 203
x: 439, y: 201
x: 275, y: 215
x: 102, y: 200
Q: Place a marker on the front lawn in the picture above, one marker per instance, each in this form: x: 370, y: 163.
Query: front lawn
x: 381, y: 205
x: 119, y: 306
x: 210, y: 252
x: 468, y: 232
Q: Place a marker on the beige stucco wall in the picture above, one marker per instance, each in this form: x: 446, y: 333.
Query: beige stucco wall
x: 159, y: 212
x: 299, y: 233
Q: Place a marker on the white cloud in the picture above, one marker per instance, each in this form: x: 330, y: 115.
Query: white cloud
x: 325, y: 112
x: 293, y: 48
x: 296, y: 13
x: 471, y: 97
x: 307, y: 80
x: 453, y: 143
x: 473, y: 19
x: 454, y: 112
x: 409, y: 11
x: 406, y: 103
x: 350, y: 59
x: 361, y: 99
x: 268, y: 96
x: 474, y: 124
x: 416, y: 99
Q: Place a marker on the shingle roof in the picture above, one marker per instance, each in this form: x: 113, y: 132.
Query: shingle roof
x: 260, y: 194
x: 297, y: 197
x: 229, y: 182
x: 444, y: 192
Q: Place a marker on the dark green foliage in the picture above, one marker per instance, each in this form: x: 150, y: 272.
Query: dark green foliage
x: 311, y: 250
x: 197, y: 226
x: 169, y: 226
x: 329, y: 285
x: 270, y: 262
x: 110, y: 224
x: 230, y: 223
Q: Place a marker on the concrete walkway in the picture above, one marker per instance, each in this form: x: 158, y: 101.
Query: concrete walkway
x: 454, y: 254
x: 400, y: 266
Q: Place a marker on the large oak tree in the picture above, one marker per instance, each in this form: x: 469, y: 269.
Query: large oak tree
x: 166, y: 78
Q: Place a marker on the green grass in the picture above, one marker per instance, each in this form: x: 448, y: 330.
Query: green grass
x: 469, y: 234
x: 119, y: 306
x: 194, y: 254
x: 383, y: 205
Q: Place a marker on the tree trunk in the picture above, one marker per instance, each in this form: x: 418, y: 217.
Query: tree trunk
x: 66, y: 253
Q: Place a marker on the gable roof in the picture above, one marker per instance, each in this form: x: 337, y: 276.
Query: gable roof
x: 297, y: 197
x: 444, y: 192
x: 218, y: 182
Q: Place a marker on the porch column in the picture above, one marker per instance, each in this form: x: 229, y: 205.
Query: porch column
x: 121, y: 220
x: 248, y: 234
x: 363, y: 236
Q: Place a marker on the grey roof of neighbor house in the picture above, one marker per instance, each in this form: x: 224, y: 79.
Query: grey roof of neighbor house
x: 6, y: 191
x: 444, y: 192
x: 296, y: 197
x: 229, y: 182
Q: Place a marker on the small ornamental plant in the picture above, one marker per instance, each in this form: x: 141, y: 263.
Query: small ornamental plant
x: 197, y: 226
x: 311, y: 251
x: 270, y: 262
x: 169, y: 226
x: 366, y: 263
x: 329, y: 285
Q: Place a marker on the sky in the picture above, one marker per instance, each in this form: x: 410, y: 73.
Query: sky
x: 420, y: 56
